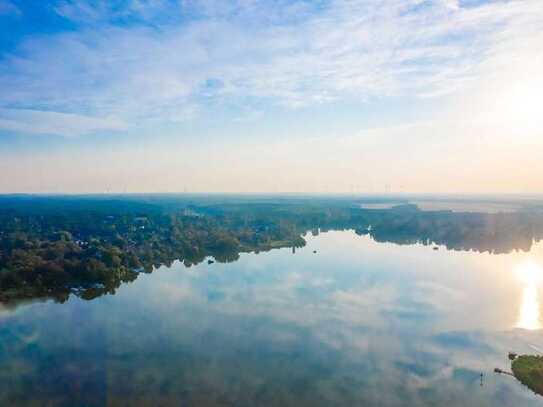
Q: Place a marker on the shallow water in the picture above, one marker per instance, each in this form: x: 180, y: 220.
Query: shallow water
x: 357, y: 323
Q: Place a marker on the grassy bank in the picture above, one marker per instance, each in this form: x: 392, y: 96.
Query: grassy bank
x: 529, y: 371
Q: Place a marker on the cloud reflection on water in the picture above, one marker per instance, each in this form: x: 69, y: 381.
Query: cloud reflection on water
x: 358, y: 323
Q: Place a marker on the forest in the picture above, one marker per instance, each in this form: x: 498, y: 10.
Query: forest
x: 54, y: 247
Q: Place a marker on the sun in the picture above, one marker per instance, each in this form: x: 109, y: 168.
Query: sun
x: 509, y: 101
x: 521, y: 103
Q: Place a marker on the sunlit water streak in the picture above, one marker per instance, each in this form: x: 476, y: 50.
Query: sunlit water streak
x: 529, y: 313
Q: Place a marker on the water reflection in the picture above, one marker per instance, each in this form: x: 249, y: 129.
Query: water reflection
x: 65, y: 269
x: 529, y: 309
x: 529, y: 314
x: 357, y: 323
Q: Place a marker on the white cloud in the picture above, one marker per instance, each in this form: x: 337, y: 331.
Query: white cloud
x: 68, y: 125
x: 292, y: 56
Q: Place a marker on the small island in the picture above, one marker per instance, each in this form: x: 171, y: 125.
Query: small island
x: 528, y: 369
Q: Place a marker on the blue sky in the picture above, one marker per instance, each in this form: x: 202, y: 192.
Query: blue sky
x: 205, y: 87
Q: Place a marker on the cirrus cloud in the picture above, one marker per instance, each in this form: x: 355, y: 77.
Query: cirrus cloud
x: 66, y: 124
x: 287, y: 54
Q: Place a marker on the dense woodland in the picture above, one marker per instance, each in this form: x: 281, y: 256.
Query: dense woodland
x: 88, y: 246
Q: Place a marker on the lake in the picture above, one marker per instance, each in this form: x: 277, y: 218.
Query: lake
x: 342, y: 321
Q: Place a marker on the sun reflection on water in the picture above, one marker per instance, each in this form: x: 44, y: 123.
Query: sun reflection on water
x: 529, y: 314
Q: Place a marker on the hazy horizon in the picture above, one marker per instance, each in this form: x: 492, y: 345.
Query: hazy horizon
x: 257, y: 96
x: 392, y: 196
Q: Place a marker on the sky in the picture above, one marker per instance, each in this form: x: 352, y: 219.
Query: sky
x: 321, y: 96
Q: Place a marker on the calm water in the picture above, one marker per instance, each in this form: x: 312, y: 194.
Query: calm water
x: 357, y: 323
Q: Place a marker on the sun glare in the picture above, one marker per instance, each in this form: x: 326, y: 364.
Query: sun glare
x: 529, y: 274
x: 518, y: 105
